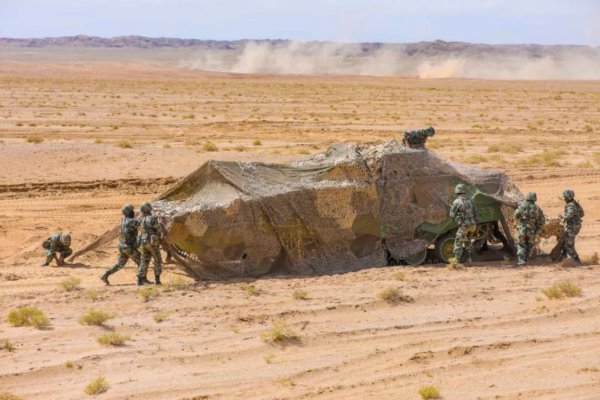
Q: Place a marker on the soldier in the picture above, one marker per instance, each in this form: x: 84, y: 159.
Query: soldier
x: 572, y: 224
x: 531, y: 219
x: 150, y: 239
x: 415, y: 139
x: 464, y: 213
x: 58, y: 243
x: 127, y: 243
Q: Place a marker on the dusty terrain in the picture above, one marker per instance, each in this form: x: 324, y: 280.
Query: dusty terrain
x: 79, y: 140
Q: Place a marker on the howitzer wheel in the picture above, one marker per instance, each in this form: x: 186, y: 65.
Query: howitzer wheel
x: 418, y: 258
x: 444, y: 247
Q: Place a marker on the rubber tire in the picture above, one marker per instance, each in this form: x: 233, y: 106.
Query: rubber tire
x: 444, y: 247
x: 418, y: 258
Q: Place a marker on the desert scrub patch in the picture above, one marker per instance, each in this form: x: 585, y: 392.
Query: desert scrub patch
x: 9, y: 396
x: 177, y: 283
x: 547, y: 158
x: 399, y: 276
x: 160, y: 316
x: 7, y: 345
x: 209, y: 146
x: 561, y: 290
x: 96, y: 386
x: 124, y: 144
x: 280, y: 333
x: 392, y: 295
x: 300, y: 295
x: 148, y: 292
x: 256, y: 142
x: 70, y: 284
x: 28, y: 316
x: 96, y: 318
x: 252, y: 290
x: 507, y: 148
x: 35, y: 139
x: 476, y: 159
x: 113, y: 339
x: 92, y: 294
x: 429, y: 392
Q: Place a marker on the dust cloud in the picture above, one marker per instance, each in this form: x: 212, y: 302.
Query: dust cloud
x: 425, y: 59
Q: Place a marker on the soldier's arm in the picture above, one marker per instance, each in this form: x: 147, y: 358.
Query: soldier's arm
x: 569, y: 212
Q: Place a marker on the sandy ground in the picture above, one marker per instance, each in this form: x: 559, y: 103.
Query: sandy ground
x: 111, y: 133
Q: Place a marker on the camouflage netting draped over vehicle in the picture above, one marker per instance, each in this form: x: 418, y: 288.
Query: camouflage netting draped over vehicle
x: 350, y: 207
x: 340, y: 210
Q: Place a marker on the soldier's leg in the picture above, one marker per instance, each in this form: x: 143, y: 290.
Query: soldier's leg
x: 468, y: 251
x: 458, y: 243
x: 522, y: 247
x: 530, y: 244
x: 121, y: 261
x: 143, y: 267
x: 64, y: 254
x: 49, y: 257
x: 157, y: 264
x: 570, y: 246
x: 135, y: 255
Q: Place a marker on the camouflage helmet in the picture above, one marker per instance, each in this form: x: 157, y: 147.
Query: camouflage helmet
x: 146, y: 208
x: 429, y: 131
x: 65, y: 239
x: 568, y: 194
x: 531, y: 196
x: 127, y: 210
x: 460, y: 189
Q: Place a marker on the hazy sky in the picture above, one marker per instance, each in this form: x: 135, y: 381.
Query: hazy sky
x: 482, y: 21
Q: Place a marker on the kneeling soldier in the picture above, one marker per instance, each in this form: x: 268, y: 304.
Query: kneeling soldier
x: 59, y: 243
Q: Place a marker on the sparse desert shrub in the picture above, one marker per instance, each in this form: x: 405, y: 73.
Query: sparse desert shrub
x: 546, y: 158
x: 209, y: 146
x: 148, y: 292
x: 429, y: 392
x: 256, y: 142
x: 70, y: 284
x: 399, y: 276
x: 92, y: 294
x: 476, y: 159
x: 507, y: 148
x: 251, y: 290
x: 394, y: 296
x: 280, y: 333
x: 7, y: 345
x: 160, y: 316
x: 98, y: 140
x: 95, y: 317
x: 177, y: 283
x: 34, y: 139
x: 124, y: 144
x: 593, y: 259
x: 96, y: 386
x: 28, y: 316
x: 166, y: 146
x: 9, y: 396
x: 240, y: 148
x: 300, y: 295
x: 113, y: 339
x: 562, y: 289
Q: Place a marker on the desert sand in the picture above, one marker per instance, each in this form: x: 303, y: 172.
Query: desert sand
x: 78, y: 140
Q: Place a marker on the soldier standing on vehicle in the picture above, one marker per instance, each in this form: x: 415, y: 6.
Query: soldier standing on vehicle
x: 59, y: 243
x: 464, y: 213
x: 572, y: 218
x: 530, y: 219
x: 128, y: 245
x: 415, y: 139
x: 150, y: 239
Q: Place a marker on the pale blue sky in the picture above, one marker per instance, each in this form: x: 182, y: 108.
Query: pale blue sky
x: 481, y: 21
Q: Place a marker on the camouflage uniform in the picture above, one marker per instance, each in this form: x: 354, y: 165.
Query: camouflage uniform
x: 464, y: 213
x: 531, y: 219
x: 127, y: 242
x: 59, y: 243
x: 150, y: 238
x: 572, y: 218
x: 415, y: 139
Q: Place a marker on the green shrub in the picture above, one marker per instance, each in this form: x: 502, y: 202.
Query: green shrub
x: 113, y: 339
x: 96, y: 386
x: 429, y: 392
x: 95, y: 317
x: 394, y: 296
x: 28, y: 316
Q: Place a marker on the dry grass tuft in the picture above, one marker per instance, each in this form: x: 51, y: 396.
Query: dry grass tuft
x: 124, y: 144
x: 92, y: 294
x: 96, y: 386
x: 113, y: 339
x: 160, y: 316
x: 28, y: 316
x: 177, y: 283
x: 70, y: 284
x: 429, y: 392
x: 7, y: 345
x: 399, y: 276
x: 209, y: 146
x: 148, y: 292
x: 394, y: 296
x: 9, y: 396
x: 96, y: 318
x: 300, y: 295
x: 562, y: 289
x: 35, y: 139
x: 506, y: 148
x: 280, y: 333
x: 252, y: 290
x: 256, y: 142
x: 547, y: 158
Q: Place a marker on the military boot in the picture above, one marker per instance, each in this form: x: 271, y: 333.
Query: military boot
x: 140, y: 281
x: 44, y: 264
x: 145, y: 281
x: 521, y: 262
x: 157, y: 280
x: 104, y: 278
x: 577, y: 260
